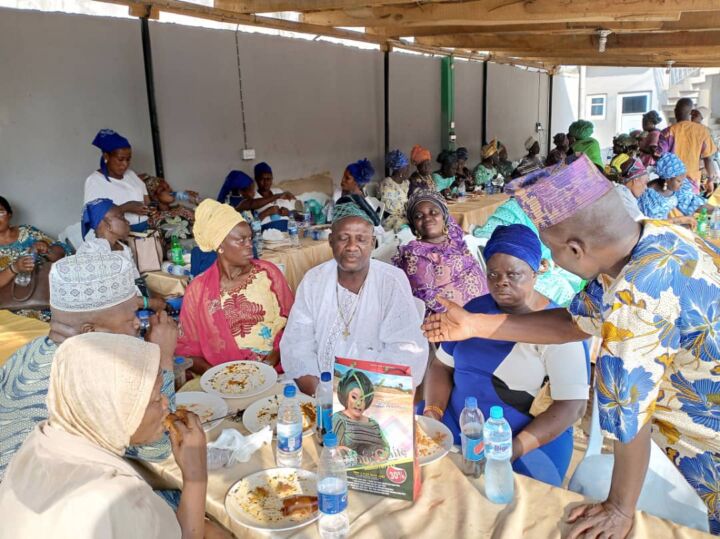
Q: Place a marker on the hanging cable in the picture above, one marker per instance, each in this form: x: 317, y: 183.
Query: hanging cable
x: 242, y: 101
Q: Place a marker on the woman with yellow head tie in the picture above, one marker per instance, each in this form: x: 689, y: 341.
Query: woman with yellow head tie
x: 237, y: 309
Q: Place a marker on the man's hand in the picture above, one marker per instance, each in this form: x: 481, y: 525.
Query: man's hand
x: 163, y: 332
x: 596, y: 520
x: 453, y: 325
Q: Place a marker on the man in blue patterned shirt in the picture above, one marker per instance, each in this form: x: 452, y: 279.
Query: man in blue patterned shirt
x: 92, y: 292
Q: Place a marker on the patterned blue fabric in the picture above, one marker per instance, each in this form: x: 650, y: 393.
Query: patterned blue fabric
x: 515, y: 240
x: 660, y: 364
x: 24, y: 382
x: 688, y: 201
x: 362, y: 171
x: 656, y: 206
x: 669, y: 165
x: 93, y: 214
x: 108, y: 141
x: 396, y: 160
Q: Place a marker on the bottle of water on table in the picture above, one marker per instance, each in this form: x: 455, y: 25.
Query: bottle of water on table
x: 324, y: 406
x: 471, y: 436
x: 257, y: 239
x: 332, y: 490
x: 293, y: 231
x: 714, y: 232
x: 289, y: 430
x: 499, y: 482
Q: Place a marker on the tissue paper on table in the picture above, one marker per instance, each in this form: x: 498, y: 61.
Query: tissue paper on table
x: 273, y: 234
x: 232, y: 447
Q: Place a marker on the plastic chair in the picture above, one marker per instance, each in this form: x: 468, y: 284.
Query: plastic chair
x: 72, y: 235
x: 476, y: 245
x: 665, y: 493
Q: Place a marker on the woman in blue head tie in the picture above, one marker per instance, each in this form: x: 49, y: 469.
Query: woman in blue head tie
x: 240, y: 191
x: 116, y: 181
x: 511, y: 374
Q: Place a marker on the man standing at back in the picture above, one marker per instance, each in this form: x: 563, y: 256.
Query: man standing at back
x: 691, y: 142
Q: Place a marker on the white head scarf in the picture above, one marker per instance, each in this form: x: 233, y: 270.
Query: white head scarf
x: 529, y: 143
x: 100, y: 387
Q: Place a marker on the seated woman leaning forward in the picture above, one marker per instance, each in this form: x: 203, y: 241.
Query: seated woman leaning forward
x: 438, y: 263
x: 69, y: 478
x: 511, y: 374
x: 236, y: 309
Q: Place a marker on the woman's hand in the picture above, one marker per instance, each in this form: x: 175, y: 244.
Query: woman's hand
x: 41, y: 247
x: 599, y: 520
x: 287, y: 195
x: 189, y: 446
x: 24, y: 264
x: 272, y: 359
x: 686, y: 220
x: 136, y: 207
x: 432, y: 414
x: 163, y: 332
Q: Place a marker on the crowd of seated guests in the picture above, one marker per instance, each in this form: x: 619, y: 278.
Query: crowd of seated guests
x: 241, y: 308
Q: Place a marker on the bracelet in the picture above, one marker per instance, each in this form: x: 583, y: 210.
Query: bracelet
x: 432, y: 408
x: 146, y: 303
x: 12, y: 268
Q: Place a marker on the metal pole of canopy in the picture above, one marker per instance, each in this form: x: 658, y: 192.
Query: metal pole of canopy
x: 550, y: 100
x: 150, y: 86
x: 386, y: 93
x: 483, y: 130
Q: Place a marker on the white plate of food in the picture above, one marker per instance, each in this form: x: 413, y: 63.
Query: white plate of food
x: 206, y: 406
x: 238, y: 379
x: 274, y: 500
x: 264, y: 412
x: 433, y: 439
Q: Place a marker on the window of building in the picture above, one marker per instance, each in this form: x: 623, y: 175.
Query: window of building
x: 635, y: 103
x: 596, y: 106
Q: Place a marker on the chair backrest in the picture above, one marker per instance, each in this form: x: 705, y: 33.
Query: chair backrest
x: 475, y: 246
x: 72, y: 235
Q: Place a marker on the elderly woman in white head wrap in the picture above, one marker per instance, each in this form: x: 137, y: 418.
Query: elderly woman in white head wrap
x: 237, y: 309
x: 69, y: 478
x: 531, y: 161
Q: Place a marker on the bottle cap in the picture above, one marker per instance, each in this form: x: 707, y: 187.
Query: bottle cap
x: 179, y: 360
x: 470, y: 402
x: 330, y: 440
x: 325, y: 377
x: 289, y: 391
x: 496, y: 412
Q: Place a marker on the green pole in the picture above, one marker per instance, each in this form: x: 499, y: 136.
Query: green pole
x: 447, y: 103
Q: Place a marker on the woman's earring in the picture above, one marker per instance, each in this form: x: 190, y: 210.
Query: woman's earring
x: 665, y: 185
x: 221, y: 251
x: 445, y: 230
x: 105, y: 161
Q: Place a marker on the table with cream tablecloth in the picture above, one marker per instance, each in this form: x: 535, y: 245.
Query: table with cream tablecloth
x: 475, y: 210
x: 296, y: 261
x: 17, y: 331
x: 450, y: 504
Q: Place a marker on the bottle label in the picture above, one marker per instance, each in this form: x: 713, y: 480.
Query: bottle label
x: 473, y: 448
x: 500, y: 450
x: 290, y: 442
x: 324, y: 419
x: 332, y: 504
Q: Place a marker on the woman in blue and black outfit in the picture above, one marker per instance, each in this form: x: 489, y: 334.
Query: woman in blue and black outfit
x: 511, y: 374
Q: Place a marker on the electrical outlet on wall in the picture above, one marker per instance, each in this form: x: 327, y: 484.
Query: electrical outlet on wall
x: 538, y: 127
x: 248, y: 154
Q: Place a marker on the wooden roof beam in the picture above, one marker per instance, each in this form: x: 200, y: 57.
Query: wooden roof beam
x: 495, y: 12
x: 616, y: 43
x: 266, y: 6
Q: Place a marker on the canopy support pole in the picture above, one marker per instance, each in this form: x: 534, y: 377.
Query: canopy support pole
x: 150, y: 86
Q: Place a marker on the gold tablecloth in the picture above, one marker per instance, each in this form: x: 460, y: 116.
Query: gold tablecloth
x: 295, y: 262
x: 450, y: 504
x: 16, y: 331
x: 475, y: 211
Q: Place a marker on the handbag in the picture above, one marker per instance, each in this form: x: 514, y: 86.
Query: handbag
x: 147, y: 250
x: 34, y: 296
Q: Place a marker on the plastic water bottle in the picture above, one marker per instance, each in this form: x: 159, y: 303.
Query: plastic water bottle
x: 293, y: 231
x: 702, y: 223
x: 499, y: 482
x: 307, y: 217
x: 332, y: 491
x: 257, y: 240
x: 471, y: 436
x: 461, y: 189
x: 714, y: 232
x: 324, y: 406
x: 289, y: 430
x: 176, y: 251
x: 175, y: 269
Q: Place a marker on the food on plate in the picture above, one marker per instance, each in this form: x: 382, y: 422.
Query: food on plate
x: 205, y: 413
x: 237, y: 378
x: 278, y: 497
x: 309, y: 414
x: 428, y: 445
x: 303, y: 505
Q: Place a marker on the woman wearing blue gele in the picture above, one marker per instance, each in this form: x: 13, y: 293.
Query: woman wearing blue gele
x: 509, y: 373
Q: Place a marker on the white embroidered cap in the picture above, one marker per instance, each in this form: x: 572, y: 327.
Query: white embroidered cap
x: 90, y: 282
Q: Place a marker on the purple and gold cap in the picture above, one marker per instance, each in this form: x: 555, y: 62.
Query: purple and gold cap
x: 553, y: 194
